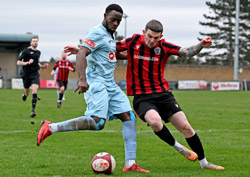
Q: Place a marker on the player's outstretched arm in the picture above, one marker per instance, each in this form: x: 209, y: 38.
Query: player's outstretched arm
x: 45, y: 65
x: 71, y: 49
x: 195, y: 49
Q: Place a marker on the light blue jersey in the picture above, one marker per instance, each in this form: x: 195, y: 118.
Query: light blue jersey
x: 102, y: 61
x: 104, y: 97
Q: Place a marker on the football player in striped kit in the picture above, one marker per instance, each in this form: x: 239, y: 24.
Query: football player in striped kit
x: 64, y: 66
x: 147, y: 56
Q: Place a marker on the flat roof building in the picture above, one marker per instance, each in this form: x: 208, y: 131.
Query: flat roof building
x: 10, y: 47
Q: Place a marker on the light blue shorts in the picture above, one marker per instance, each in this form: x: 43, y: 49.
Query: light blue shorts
x: 105, y: 101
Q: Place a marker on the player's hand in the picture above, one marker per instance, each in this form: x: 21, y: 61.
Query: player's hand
x: 45, y: 65
x: 71, y: 69
x: 206, y: 42
x: 52, y: 72
x: 82, y: 87
x: 71, y: 49
x: 31, y: 61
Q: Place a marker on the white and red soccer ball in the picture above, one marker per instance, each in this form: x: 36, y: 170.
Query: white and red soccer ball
x: 103, y: 163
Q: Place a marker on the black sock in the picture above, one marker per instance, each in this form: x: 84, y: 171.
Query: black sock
x: 195, y: 144
x: 166, y: 136
x: 60, y: 96
x: 34, y: 100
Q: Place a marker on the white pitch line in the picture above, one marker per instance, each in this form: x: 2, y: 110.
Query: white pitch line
x: 115, y: 131
x: 16, y: 131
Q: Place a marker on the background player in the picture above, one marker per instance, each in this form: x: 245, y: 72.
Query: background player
x: 64, y: 66
x: 103, y: 96
x: 147, y: 56
x: 29, y: 59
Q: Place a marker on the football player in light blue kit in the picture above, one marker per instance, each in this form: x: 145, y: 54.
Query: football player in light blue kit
x: 95, y: 64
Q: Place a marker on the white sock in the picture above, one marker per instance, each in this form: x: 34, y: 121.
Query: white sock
x: 177, y: 145
x: 203, y: 162
x: 129, y: 163
x: 53, y: 127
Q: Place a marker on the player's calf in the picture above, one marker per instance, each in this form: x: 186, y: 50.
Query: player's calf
x: 80, y: 123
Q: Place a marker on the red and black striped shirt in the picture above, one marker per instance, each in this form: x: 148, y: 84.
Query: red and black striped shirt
x: 63, y: 69
x: 145, y: 70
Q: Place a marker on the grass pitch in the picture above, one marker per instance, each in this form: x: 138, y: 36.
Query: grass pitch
x: 221, y: 119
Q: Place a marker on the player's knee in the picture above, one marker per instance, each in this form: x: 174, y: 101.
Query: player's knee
x: 186, y: 127
x: 155, y: 123
x: 187, y: 130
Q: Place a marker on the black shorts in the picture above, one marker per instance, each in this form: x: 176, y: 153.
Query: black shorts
x: 28, y: 80
x: 164, y: 103
x: 62, y: 83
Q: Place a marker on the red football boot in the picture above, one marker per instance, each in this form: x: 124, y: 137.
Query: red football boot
x: 44, y: 132
x: 134, y: 167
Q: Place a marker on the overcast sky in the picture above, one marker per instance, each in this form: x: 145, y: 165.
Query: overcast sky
x: 62, y: 22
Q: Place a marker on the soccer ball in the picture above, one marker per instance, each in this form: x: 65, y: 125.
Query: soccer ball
x: 103, y: 162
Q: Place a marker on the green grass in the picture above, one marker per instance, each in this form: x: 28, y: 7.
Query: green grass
x: 221, y: 119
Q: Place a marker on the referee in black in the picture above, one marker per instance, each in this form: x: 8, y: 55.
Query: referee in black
x: 29, y: 59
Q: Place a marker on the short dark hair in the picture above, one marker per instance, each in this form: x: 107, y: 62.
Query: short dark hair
x: 33, y: 38
x: 154, y: 25
x: 115, y: 7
